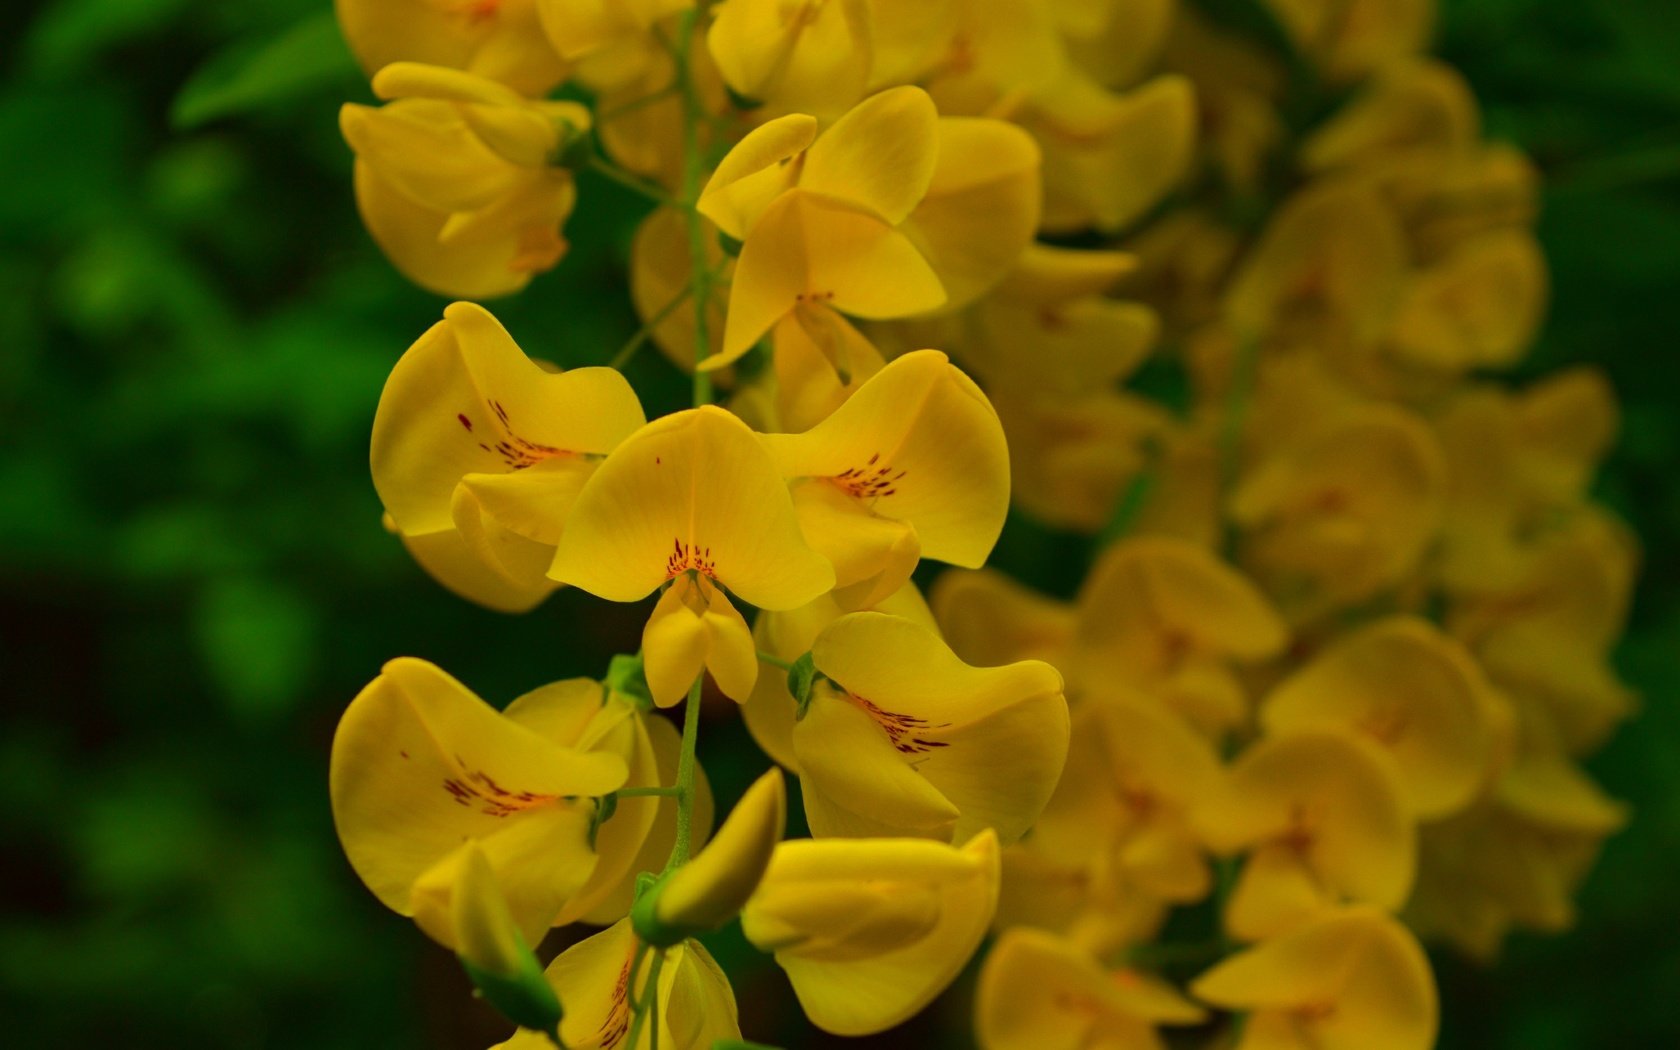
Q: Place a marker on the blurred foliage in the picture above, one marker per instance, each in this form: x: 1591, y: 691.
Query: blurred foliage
x: 193, y: 581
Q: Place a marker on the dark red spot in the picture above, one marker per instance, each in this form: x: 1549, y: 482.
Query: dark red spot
x: 462, y: 416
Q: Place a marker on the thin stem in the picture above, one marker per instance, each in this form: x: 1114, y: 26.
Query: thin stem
x: 657, y: 792
x: 647, y: 1003
x: 775, y: 661
x: 685, y: 777
x: 633, y: 183
x: 635, y: 342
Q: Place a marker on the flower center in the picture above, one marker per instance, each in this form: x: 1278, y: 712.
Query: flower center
x: 905, y: 732
x: 517, y: 452
x: 476, y: 789
x: 870, y: 481
x: 686, y: 556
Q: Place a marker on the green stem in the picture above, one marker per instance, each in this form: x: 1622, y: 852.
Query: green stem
x: 635, y: 342
x: 685, y: 777
x: 658, y: 792
x: 633, y: 183
x: 646, y: 1004
x: 775, y: 661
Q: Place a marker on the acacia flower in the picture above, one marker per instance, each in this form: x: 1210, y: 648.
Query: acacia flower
x: 692, y: 499
x: 1039, y: 992
x: 422, y: 770
x: 902, y: 738
x: 869, y: 931
x: 913, y: 464
x: 1352, y: 980
x: 456, y: 178
x: 478, y: 453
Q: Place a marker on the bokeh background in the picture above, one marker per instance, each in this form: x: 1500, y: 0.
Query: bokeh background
x: 194, y: 330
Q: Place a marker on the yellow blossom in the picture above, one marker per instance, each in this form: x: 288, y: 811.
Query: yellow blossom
x: 810, y: 56
x: 770, y: 712
x: 497, y: 39
x: 1403, y: 685
x: 696, y: 1006
x: 1353, y: 980
x: 1038, y: 992
x: 478, y: 453
x: 1323, y: 820
x: 987, y: 617
x: 914, y: 464
x: 870, y: 930
x: 1350, y: 38
x: 422, y: 769
x: 900, y: 737
x: 691, y: 495
x: 456, y: 178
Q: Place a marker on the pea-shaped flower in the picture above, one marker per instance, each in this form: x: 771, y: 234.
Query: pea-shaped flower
x: 1355, y: 980
x: 691, y: 499
x: 478, y: 453
x: 899, y: 737
x: 1039, y: 992
x: 1324, y: 823
x: 456, y: 180
x: 870, y: 931
x: 913, y: 464
x: 1406, y: 687
x: 804, y: 57
x: 423, y: 772
x: 593, y: 981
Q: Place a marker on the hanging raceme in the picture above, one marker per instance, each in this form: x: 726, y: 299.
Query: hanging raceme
x: 947, y: 277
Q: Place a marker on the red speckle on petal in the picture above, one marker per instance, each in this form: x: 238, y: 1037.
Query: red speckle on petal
x: 462, y: 416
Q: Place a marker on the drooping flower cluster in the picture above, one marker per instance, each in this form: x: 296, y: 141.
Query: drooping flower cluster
x: 1345, y: 632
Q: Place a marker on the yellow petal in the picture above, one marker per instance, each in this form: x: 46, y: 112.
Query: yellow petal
x: 485, y: 933
x: 464, y: 400
x: 691, y: 490
x: 814, y: 249
x: 991, y: 741
x: 709, y: 890
x: 501, y: 41
x: 989, y: 618
x: 918, y: 443
x: 814, y: 59
x: 880, y: 156
x: 693, y: 627
x: 420, y: 765
x: 454, y: 561
x: 981, y: 208
x: 754, y: 172
x: 1408, y: 688
x: 872, y: 556
x: 850, y: 981
x: 820, y: 360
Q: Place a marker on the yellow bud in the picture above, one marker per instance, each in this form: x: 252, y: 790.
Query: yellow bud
x: 495, y: 956
x: 709, y: 891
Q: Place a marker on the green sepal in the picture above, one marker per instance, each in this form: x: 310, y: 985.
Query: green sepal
x: 626, y: 678
x: 740, y: 101
x: 605, y: 807
x: 526, y: 998
x: 801, y: 677
x: 644, y: 918
x: 731, y: 247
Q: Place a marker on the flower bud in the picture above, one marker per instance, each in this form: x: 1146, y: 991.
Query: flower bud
x: 494, y: 954
x: 708, y: 891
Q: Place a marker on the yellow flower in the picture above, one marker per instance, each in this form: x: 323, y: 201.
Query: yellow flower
x: 592, y: 979
x: 1122, y: 809
x: 497, y: 39
x: 1515, y: 859
x: 1477, y: 307
x: 422, y: 769
x: 478, y: 453
x: 890, y: 212
x: 1411, y: 109
x: 770, y: 712
x: 914, y: 464
x: 1073, y: 458
x: 712, y: 888
x: 870, y: 930
x: 592, y: 29
x: 1354, y: 980
x: 1038, y: 992
x: 455, y: 179
x: 1345, y: 513
x: 902, y: 738
x: 1323, y: 821
x: 1165, y: 617
x: 1403, y: 685
x: 809, y: 56
x: 691, y: 498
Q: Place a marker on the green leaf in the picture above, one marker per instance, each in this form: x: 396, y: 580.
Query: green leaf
x: 252, y: 75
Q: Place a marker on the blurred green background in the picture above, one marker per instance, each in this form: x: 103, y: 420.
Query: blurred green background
x: 194, y: 330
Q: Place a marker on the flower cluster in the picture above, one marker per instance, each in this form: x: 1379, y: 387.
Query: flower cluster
x: 1228, y: 303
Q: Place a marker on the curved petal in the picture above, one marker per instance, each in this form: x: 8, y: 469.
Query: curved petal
x: 880, y: 156
x: 693, y: 490
x: 918, y: 442
x: 754, y: 172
